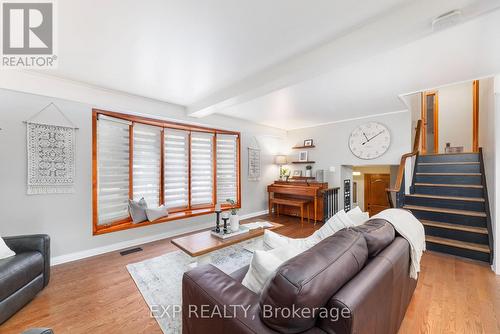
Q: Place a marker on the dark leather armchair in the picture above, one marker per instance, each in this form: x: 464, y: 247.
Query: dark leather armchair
x: 24, y: 275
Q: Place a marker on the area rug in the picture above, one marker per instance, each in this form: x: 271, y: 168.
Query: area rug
x: 160, y: 279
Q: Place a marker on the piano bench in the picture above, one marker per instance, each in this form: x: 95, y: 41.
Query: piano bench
x: 301, y: 203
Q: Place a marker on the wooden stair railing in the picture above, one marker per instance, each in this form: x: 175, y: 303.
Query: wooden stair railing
x: 399, y: 187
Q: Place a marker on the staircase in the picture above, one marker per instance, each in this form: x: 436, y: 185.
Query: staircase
x: 449, y: 197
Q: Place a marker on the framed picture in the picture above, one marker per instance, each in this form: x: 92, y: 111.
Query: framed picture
x: 308, y: 142
x: 297, y: 173
x: 303, y: 156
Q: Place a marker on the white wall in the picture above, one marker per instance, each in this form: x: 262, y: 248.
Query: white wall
x: 360, y: 182
x: 487, y: 140
x: 67, y: 218
x: 332, y: 148
x: 494, y: 190
x: 455, y: 116
x: 394, y: 169
x: 414, y: 103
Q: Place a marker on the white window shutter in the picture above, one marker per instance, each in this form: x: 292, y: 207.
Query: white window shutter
x: 201, y: 168
x: 113, y: 169
x: 176, y: 168
x: 146, y: 163
x: 227, y: 167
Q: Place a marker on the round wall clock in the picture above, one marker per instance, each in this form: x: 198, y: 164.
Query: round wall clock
x: 370, y: 140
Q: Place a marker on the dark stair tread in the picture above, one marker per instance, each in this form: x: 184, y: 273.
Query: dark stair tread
x: 444, y: 154
x: 449, y: 174
x: 449, y: 163
x: 457, y: 227
x: 458, y: 244
x: 449, y: 185
x: 455, y: 198
x: 443, y: 210
x: 458, y: 168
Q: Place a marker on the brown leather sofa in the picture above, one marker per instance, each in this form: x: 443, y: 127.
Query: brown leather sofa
x: 356, y: 281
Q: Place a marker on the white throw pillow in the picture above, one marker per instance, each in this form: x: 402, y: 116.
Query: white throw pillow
x: 264, y: 264
x: 274, y: 240
x: 5, y: 251
x: 357, y: 216
x: 336, y: 223
x: 156, y: 213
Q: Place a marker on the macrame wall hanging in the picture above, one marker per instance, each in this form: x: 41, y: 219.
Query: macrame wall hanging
x: 254, y: 163
x: 51, y: 152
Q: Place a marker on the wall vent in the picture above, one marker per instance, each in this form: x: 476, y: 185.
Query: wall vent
x: 130, y: 251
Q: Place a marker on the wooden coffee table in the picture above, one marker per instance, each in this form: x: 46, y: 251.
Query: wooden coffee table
x: 201, y: 243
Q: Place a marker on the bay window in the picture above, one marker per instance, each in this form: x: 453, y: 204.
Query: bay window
x: 187, y: 168
x: 227, y: 166
x: 146, y: 163
x: 202, y: 178
x: 176, y: 169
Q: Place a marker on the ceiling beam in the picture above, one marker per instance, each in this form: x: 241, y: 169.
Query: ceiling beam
x: 401, y: 25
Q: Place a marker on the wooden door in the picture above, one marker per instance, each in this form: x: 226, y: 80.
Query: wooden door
x: 375, y: 194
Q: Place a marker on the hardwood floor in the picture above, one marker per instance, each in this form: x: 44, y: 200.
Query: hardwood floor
x: 97, y: 295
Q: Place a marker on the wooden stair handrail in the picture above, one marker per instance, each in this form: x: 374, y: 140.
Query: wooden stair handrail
x: 402, y: 164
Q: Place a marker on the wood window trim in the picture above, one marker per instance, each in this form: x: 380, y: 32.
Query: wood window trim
x: 95, y: 217
x: 162, y: 166
x: 174, y: 213
x: 214, y: 168
x: 189, y: 169
x: 130, y: 160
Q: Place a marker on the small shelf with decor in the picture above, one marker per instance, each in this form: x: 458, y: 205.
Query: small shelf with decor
x: 302, y: 147
x: 303, y: 162
x: 308, y: 143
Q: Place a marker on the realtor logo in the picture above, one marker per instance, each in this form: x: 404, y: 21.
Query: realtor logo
x: 28, y: 34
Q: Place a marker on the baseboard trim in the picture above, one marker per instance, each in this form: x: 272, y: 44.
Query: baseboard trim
x: 254, y: 214
x: 57, y: 260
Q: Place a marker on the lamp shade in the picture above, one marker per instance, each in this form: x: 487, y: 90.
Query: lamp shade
x: 280, y: 160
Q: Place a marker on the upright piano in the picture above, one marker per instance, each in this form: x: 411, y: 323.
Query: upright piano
x: 299, y: 190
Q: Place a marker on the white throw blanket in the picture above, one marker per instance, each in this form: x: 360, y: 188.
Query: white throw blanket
x: 411, y: 229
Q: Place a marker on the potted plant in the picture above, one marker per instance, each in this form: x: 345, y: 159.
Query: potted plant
x: 234, y: 219
x: 308, y: 171
x: 284, y: 173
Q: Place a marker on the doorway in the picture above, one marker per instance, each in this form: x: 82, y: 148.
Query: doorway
x: 375, y: 193
x: 430, y: 116
x: 447, y: 118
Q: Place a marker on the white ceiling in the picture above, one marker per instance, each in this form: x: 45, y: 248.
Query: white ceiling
x: 180, y: 51
x: 373, y: 85
x: 283, y: 63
